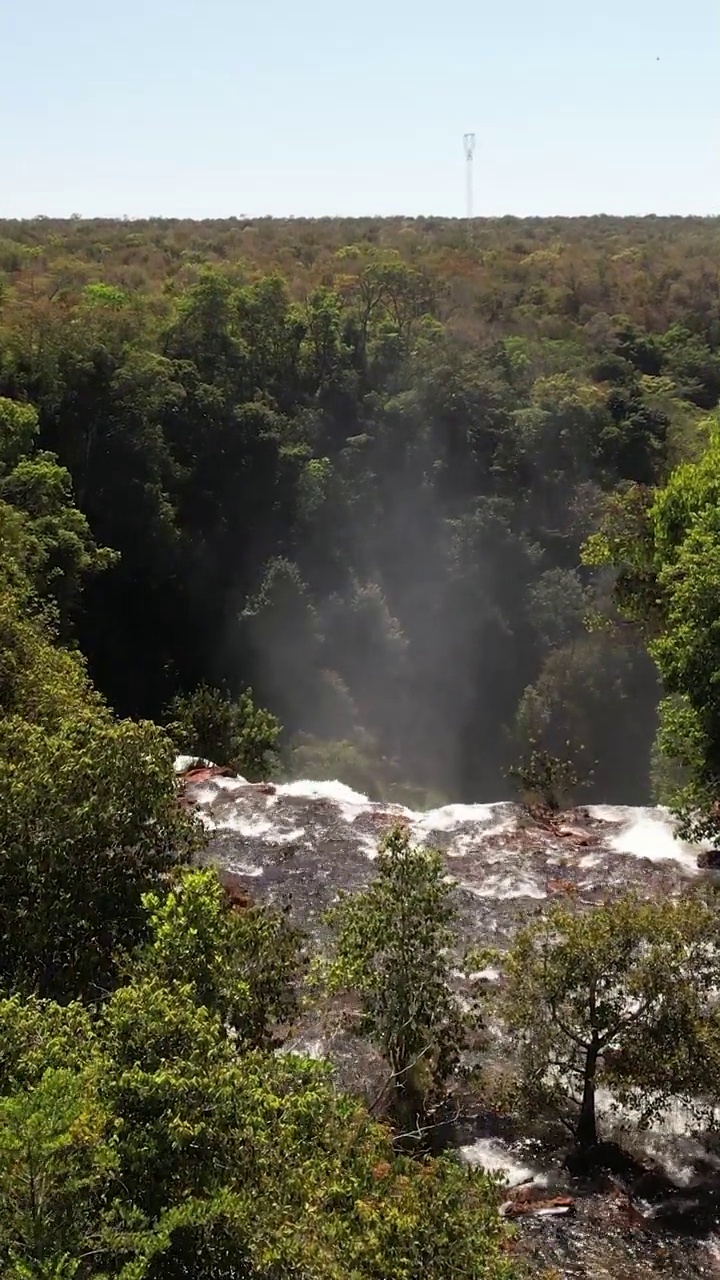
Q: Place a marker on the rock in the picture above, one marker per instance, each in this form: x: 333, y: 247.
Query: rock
x: 547, y: 1207
x: 203, y: 773
x: 561, y: 886
x: 237, y: 894
x: 709, y: 860
x: 265, y: 788
x: 527, y: 1193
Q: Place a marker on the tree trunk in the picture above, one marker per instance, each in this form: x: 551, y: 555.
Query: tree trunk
x: 586, y: 1132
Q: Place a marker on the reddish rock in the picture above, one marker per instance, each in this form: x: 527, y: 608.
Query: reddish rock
x: 542, y: 1207
x: 583, y: 838
x: 561, y: 886
x: 203, y: 773
x: 237, y: 894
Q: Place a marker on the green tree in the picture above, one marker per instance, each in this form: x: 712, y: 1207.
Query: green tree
x: 207, y: 1135
x: 39, y: 1035
x: 59, y: 550
x: 281, y: 628
x: 544, y: 780
x: 55, y: 1166
x: 18, y: 430
x: 391, y: 948
x: 666, y: 551
x: 39, y: 682
x: 244, y: 965
x: 89, y: 821
x: 54, y: 546
x: 210, y: 724
x: 619, y: 994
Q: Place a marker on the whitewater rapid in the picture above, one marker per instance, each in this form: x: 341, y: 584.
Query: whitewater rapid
x: 305, y: 841
x: 299, y: 844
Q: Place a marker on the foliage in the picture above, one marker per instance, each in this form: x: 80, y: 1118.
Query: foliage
x: 243, y: 964
x: 88, y: 823
x: 619, y: 994
x: 545, y: 779
x: 209, y: 724
x: 40, y: 1035
x: 55, y: 1165
x: 391, y: 949
x: 156, y: 1145
x: 40, y: 683
x: 56, y: 548
x: 348, y: 464
x: 669, y: 586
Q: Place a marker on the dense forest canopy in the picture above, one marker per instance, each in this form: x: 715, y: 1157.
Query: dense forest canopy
x: 351, y: 464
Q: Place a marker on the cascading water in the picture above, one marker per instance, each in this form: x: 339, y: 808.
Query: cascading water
x: 300, y: 843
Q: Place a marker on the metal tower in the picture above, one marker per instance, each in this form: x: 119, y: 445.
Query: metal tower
x: 469, y: 145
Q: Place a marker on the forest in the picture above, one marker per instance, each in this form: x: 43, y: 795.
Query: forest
x: 423, y: 505
x: 350, y: 466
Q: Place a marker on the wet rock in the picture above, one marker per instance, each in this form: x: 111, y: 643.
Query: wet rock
x: 196, y: 775
x: 604, y: 1157
x: 527, y: 1193
x: 236, y: 892
x: 582, y: 838
x: 543, y: 1206
x: 709, y: 860
x: 562, y: 886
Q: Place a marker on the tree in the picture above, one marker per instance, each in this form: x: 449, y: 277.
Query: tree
x: 89, y: 822
x: 40, y: 1035
x: 244, y: 965
x: 583, y: 691
x: 666, y: 551
x: 55, y: 1166
x: 391, y: 948
x: 618, y: 994
x: 55, y: 548
x: 59, y: 551
x: 156, y: 1143
x: 18, y: 430
x: 39, y: 682
x: 281, y: 628
x: 545, y: 780
x: 210, y: 724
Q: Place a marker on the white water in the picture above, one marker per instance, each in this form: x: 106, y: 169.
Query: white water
x: 469, y: 831
x: 496, y: 1158
x: 505, y: 887
x: 451, y: 816
x: 335, y: 791
x: 650, y: 836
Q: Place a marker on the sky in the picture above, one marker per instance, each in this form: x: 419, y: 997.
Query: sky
x: 214, y: 108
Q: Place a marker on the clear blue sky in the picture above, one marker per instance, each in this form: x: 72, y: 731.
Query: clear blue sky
x: 217, y: 107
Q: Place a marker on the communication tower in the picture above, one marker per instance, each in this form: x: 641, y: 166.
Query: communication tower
x: 469, y: 145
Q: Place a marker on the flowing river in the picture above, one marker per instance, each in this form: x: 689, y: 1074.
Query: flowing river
x: 299, y: 844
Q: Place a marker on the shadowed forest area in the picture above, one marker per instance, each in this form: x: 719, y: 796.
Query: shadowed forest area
x: 351, y: 465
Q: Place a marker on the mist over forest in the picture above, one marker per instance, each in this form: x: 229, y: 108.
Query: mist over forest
x: 351, y: 465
